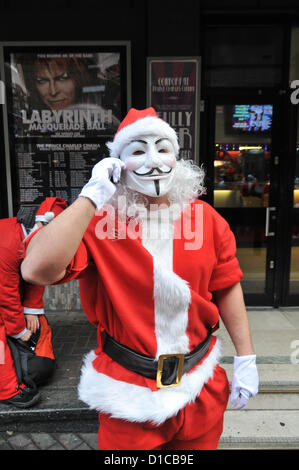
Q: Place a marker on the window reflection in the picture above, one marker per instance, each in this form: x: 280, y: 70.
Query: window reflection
x: 294, y: 272
x: 242, y: 155
x: 296, y: 180
x: 241, y: 175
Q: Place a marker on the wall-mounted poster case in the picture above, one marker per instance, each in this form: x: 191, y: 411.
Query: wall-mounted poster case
x: 173, y: 89
x: 64, y: 101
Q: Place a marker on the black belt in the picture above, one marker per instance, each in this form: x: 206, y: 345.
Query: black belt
x: 169, y: 368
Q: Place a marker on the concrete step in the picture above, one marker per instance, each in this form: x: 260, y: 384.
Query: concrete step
x: 273, y: 377
x: 270, y: 401
x: 260, y: 429
x: 59, y: 410
x: 256, y: 426
x: 270, y: 420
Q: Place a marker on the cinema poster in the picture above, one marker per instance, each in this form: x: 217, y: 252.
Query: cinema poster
x: 173, y: 89
x: 63, y: 104
x: 72, y: 94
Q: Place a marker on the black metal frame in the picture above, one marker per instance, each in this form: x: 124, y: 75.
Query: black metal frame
x: 288, y: 299
x: 123, y: 47
x: 283, y: 145
x: 3, y: 182
x: 236, y: 213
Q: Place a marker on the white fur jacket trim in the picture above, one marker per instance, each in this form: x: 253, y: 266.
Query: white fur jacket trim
x: 135, y: 403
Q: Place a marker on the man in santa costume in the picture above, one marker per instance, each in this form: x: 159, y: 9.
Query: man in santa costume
x: 21, y: 307
x: 156, y: 266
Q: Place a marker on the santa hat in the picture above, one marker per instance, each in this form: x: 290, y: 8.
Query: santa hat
x: 138, y: 123
x: 50, y: 208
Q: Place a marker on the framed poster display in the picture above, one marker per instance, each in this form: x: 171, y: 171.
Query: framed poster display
x: 174, y: 91
x: 64, y: 101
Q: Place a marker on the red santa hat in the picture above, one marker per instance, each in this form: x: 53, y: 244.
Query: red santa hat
x: 50, y: 208
x: 138, y: 123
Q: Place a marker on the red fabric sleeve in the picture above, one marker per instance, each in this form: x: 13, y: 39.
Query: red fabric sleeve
x: 33, y: 297
x: 11, y: 309
x: 28, y: 239
x: 76, y: 266
x: 227, y: 271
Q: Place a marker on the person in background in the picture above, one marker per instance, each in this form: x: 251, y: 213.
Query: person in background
x: 22, y: 319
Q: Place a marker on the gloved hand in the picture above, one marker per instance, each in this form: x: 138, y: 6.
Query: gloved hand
x: 245, y: 380
x: 99, y: 188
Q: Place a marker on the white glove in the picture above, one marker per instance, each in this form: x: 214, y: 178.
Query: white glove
x: 99, y: 188
x: 245, y: 381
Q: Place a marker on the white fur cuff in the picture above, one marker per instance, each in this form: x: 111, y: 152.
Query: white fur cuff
x: 33, y: 311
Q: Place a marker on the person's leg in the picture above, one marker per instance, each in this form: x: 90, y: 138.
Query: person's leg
x: 198, y: 424
x: 44, y: 346
x: 8, y: 378
x: 41, y: 367
x: 203, y: 418
x: 118, y: 434
x: 207, y: 441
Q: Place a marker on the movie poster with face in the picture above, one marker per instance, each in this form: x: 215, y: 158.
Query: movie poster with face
x: 64, y: 104
x: 72, y: 95
x: 173, y: 90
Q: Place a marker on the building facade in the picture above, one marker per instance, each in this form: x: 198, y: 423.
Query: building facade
x: 245, y: 129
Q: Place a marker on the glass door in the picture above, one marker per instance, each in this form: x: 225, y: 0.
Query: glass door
x: 244, y: 190
x: 290, y: 280
x: 293, y: 285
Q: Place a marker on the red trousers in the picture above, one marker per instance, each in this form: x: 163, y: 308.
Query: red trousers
x: 8, y: 378
x: 198, y: 426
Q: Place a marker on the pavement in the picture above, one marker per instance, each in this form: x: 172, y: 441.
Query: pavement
x: 60, y: 421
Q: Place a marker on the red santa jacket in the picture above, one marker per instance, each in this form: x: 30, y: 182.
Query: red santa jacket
x: 155, y: 297
x: 13, y: 290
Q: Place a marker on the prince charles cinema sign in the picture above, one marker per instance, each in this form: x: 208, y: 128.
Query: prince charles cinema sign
x: 173, y: 90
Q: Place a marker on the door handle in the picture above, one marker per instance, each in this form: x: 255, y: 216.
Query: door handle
x: 267, y: 232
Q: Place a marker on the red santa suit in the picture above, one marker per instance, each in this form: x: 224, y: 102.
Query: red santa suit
x: 18, y: 298
x: 155, y: 297
x: 33, y: 295
x: 12, y: 320
x: 33, y: 304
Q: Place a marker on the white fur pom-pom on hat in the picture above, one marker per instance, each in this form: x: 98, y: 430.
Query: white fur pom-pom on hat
x: 138, y: 123
x: 47, y: 217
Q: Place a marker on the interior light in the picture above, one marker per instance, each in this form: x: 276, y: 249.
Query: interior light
x: 250, y: 147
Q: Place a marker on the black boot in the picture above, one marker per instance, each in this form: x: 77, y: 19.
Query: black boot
x: 24, y: 399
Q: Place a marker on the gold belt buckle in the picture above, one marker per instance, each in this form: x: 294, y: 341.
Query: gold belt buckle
x: 179, y: 374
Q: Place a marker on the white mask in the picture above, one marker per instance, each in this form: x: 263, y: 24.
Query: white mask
x: 150, y: 165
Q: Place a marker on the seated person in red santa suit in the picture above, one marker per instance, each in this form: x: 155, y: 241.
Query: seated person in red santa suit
x: 22, y: 319
x: 150, y: 258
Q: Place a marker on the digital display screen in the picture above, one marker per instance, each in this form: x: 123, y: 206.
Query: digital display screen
x: 252, y: 118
